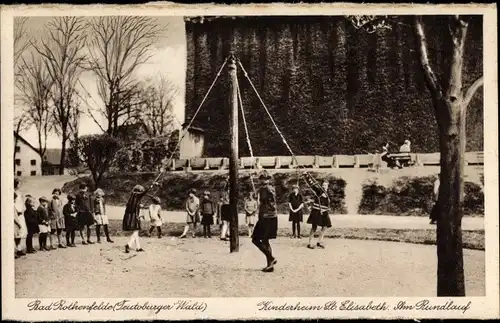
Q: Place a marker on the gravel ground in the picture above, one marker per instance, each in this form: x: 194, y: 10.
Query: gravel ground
x: 204, y: 268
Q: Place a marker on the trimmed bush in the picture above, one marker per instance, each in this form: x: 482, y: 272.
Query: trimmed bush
x: 413, y: 196
x: 174, y: 186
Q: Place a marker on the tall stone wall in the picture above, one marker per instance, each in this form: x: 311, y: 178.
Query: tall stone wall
x: 331, y: 89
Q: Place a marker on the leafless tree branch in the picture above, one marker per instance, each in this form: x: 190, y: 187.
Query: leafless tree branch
x: 156, y: 106
x: 20, y: 41
x: 469, y: 94
x: 63, y: 57
x: 118, y: 46
x: 430, y: 76
x: 34, y: 84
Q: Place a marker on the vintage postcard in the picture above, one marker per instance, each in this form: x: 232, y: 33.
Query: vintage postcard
x: 274, y: 161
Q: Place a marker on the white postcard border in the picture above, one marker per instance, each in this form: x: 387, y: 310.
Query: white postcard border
x: 239, y: 308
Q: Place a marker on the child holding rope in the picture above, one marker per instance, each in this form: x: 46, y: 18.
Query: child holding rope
x: 267, y: 225
x: 319, y: 216
x: 132, y: 218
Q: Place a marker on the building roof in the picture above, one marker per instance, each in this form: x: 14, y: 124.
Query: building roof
x: 19, y: 137
x: 52, y: 156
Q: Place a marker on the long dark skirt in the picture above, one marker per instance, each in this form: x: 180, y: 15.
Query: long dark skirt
x: 131, y: 222
x: 436, y: 210
x: 71, y: 223
x: 296, y: 216
x: 85, y: 219
x: 318, y: 219
x: 266, y: 228
x: 225, y: 212
x: 207, y: 219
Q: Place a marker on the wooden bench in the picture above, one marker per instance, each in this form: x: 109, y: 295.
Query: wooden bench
x: 474, y: 158
x: 404, y: 159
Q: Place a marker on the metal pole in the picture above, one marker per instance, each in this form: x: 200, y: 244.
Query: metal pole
x: 233, y: 158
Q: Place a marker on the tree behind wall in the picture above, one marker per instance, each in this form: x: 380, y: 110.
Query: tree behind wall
x: 450, y: 102
x: 326, y: 83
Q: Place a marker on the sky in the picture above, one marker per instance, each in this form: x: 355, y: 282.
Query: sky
x: 169, y: 60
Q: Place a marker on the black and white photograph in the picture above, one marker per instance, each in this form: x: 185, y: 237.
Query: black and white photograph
x: 336, y: 162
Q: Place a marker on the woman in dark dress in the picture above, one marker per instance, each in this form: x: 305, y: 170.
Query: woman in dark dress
x: 319, y: 216
x: 132, y: 218
x: 295, y: 204
x: 385, y: 156
x: 267, y: 224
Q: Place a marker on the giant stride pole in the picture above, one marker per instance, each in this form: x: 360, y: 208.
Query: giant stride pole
x: 233, y: 157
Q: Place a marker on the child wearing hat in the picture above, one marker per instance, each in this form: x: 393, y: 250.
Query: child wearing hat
x: 267, y: 224
x: 100, y: 217
x: 132, y: 217
x: 207, y: 213
x: 43, y: 222
x: 155, y: 216
x: 85, y: 217
x: 319, y: 216
x: 56, y: 218
x: 192, y: 209
x: 70, y: 220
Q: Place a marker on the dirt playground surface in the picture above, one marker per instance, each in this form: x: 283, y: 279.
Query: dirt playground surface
x: 204, y: 268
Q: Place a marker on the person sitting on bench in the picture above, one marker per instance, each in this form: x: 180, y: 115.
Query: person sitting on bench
x: 405, y: 148
x: 391, y: 161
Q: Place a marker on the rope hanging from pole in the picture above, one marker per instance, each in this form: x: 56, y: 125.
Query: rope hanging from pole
x: 189, y: 125
x: 246, y: 132
x: 267, y: 111
x: 308, y: 178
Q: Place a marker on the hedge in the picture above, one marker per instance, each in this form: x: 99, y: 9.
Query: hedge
x: 173, y: 187
x: 413, y: 196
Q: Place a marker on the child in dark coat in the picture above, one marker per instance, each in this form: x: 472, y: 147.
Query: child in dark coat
x: 43, y: 223
x: 70, y: 220
x: 207, y: 214
x: 31, y: 217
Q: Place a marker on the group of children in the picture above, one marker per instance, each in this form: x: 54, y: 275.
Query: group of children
x: 205, y: 209
x: 208, y: 211
x: 56, y: 222
x: 53, y: 220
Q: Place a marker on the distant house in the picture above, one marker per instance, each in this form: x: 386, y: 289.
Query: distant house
x: 52, y: 162
x: 27, y: 160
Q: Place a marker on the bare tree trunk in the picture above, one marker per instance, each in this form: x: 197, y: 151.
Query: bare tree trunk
x: 450, y: 271
x: 450, y: 109
x: 62, y: 163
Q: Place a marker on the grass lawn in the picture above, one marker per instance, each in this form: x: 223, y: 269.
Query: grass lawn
x: 471, y: 239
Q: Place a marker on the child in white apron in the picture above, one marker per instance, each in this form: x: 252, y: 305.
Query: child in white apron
x: 155, y: 216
